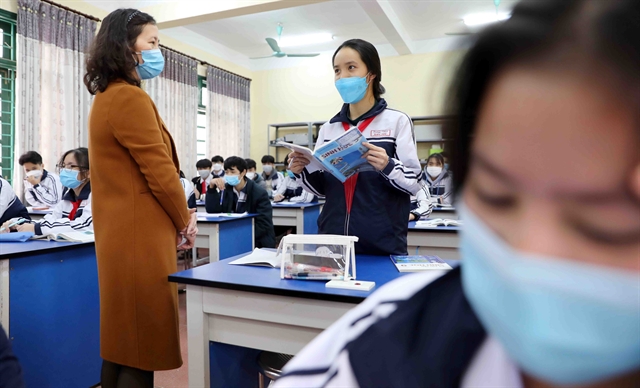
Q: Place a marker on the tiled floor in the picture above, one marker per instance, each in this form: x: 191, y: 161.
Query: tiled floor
x: 177, y: 378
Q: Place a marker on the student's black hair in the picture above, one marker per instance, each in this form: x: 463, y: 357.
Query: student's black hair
x: 602, y: 37
x: 235, y: 161
x: 204, y: 163
x: 111, y: 55
x: 371, y: 59
x: 437, y: 157
x: 250, y: 163
x: 268, y: 159
x: 82, y: 158
x: 217, y: 159
x: 30, y: 157
x: 286, y: 161
x: 182, y: 174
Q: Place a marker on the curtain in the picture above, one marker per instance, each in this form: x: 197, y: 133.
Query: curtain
x: 52, y: 103
x: 175, y: 93
x: 228, y: 113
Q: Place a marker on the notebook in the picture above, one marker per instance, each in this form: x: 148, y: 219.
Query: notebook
x: 81, y: 237
x: 418, y: 263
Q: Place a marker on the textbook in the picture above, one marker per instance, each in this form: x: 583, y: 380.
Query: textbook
x: 342, y: 157
x: 418, y: 263
x: 438, y: 222
x: 80, y: 237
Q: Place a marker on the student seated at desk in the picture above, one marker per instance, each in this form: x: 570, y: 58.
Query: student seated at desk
x: 10, y: 205
x: 253, y: 175
x: 439, y: 180
x: 421, y: 205
x: 217, y: 170
x: 42, y: 188
x: 201, y: 182
x: 73, y: 212
x: 236, y: 194
x: 291, y: 190
x: 271, y: 176
x: 189, y: 192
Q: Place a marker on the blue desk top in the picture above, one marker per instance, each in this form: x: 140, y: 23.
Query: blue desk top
x: 267, y: 280
x: 437, y: 229
x: 217, y: 220
x: 295, y: 204
x: 199, y: 203
x: 23, y: 249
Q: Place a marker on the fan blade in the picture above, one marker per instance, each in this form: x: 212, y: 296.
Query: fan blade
x: 302, y: 55
x: 458, y: 33
x: 273, y: 44
x: 269, y: 56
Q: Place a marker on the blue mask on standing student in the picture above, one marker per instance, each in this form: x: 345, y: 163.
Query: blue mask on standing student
x: 562, y: 321
x: 153, y: 64
x: 69, y: 178
x: 352, y: 89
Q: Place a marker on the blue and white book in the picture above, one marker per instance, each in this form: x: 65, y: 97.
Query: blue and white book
x: 342, y: 156
x: 418, y: 263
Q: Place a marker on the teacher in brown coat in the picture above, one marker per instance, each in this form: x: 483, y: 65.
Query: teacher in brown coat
x: 139, y: 209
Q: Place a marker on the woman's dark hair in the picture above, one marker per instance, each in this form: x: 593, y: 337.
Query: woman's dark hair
x: 111, y: 54
x: 204, y: 163
x: 30, y: 157
x: 437, y: 157
x: 235, y: 161
x: 371, y: 59
x: 81, y: 156
x: 250, y: 163
x: 182, y: 174
x: 576, y: 35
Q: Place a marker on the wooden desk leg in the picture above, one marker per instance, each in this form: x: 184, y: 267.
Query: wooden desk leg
x: 300, y: 221
x: 198, y: 338
x: 214, y: 243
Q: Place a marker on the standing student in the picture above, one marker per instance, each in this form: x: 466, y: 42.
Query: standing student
x: 439, y: 180
x: 73, y: 212
x: 548, y: 293
x: 291, y: 190
x: 373, y: 204
x: 189, y: 191
x: 421, y: 205
x: 236, y: 194
x: 140, y: 209
x: 253, y: 175
x: 271, y: 176
x: 217, y: 170
x: 201, y: 182
x: 10, y: 205
x: 42, y: 188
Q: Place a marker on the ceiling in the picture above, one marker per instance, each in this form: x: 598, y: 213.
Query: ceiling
x: 394, y: 26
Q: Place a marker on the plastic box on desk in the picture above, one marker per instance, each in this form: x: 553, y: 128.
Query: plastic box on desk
x: 318, y: 257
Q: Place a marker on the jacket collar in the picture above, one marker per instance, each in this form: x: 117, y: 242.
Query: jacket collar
x: 70, y: 195
x: 343, y: 116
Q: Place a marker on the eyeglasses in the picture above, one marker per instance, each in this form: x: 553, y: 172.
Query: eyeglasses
x: 70, y: 166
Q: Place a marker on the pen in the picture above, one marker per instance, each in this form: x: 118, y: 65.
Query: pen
x: 19, y: 221
x: 221, y: 196
x: 314, y: 275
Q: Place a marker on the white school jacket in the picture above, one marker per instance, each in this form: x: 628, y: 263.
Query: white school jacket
x: 47, y: 193
x: 59, y: 222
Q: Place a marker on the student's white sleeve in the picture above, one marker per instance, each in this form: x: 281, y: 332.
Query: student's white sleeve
x: 305, y: 197
x: 54, y: 223
x: 48, y: 192
x: 447, y: 197
x: 7, y: 197
x: 403, y: 171
x: 282, y: 186
x: 425, y: 207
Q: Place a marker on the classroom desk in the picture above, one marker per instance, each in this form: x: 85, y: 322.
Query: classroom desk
x: 447, y: 212
x: 253, y: 308
x: 442, y: 241
x: 224, y: 236
x: 51, y: 311
x: 304, y: 216
x: 37, y: 215
x: 200, y: 206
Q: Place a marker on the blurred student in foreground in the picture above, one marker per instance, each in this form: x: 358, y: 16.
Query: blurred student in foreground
x: 547, y: 170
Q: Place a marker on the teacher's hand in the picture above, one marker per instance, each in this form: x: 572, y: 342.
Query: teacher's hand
x: 376, y: 156
x: 192, y: 227
x: 297, y: 162
x: 188, y: 244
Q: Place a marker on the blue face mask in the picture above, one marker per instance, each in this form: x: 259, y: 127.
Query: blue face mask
x: 69, y: 178
x: 352, y: 89
x: 446, y: 166
x: 153, y: 64
x: 562, y: 321
x: 290, y: 173
x: 232, y: 180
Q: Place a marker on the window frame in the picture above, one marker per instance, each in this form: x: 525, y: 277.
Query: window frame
x: 8, y: 64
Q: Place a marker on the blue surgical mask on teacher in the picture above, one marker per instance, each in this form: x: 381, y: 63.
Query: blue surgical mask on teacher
x: 232, y: 180
x: 560, y: 320
x: 69, y: 178
x: 352, y: 89
x: 153, y: 64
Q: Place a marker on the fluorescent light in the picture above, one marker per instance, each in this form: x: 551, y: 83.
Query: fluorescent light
x: 303, y: 40
x: 479, y: 19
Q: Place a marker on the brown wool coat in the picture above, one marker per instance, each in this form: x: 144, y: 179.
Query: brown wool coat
x: 138, y: 204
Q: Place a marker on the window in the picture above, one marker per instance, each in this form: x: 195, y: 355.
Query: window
x: 203, y: 143
x: 7, y: 92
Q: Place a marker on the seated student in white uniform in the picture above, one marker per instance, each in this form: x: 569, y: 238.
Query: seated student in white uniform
x: 439, y: 180
x: 421, y: 205
x: 547, y: 292
x: 272, y: 177
x: 291, y: 190
x: 189, y: 192
x: 73, y: 212
x: 201, y: 182
x: 10, y: 205
x: 217, y: 171
x: 42, y: 188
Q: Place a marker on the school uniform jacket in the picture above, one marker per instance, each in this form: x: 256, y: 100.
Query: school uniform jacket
x: 421, y: 205
x: 72, y: 213
x: 272, y: 181
x: 189, y: 193
x: 381, y: 202
x: 441, y: 187
x: 47, y: 193
x: 257, y: 201
x: 10, y: 205
x: 292, y: 191
x: 197, y: 183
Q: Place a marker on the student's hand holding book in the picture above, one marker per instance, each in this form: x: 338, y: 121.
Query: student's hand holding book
x: 297, y: 162
x: 376, y: 156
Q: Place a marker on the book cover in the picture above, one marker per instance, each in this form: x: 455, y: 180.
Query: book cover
x: 417, y: 263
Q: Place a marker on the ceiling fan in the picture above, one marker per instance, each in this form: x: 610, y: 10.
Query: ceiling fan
x: 277, y: 52
x: 470, y: 30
